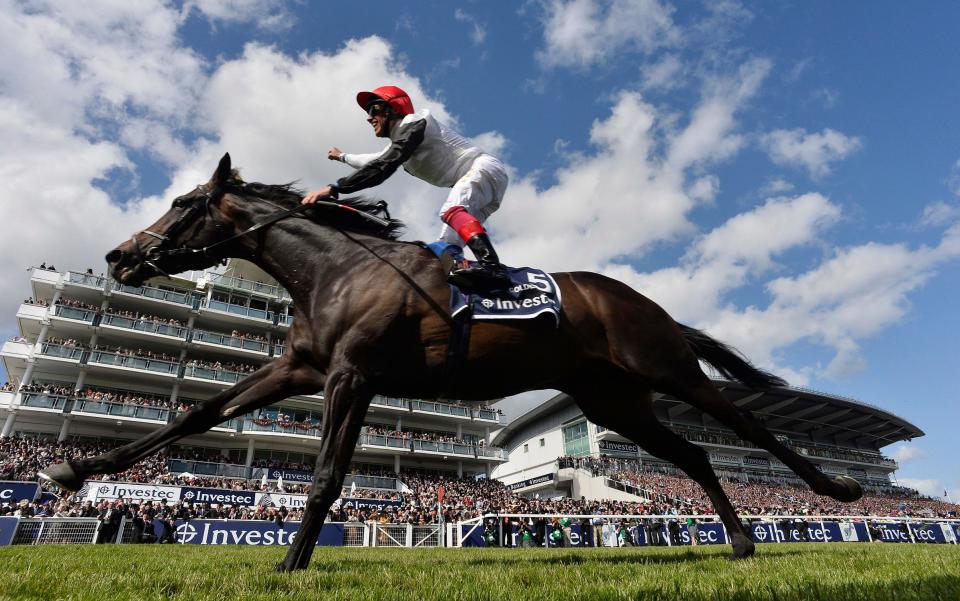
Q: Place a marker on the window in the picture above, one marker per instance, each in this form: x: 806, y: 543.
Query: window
x: 575, y: 439
x: 526, y: 448
x: 543, y: 442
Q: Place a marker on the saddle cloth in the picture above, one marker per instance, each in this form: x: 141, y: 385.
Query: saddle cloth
x: 533, y: 293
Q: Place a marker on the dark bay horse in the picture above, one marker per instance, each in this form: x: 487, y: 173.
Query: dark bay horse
x: 371, y: 317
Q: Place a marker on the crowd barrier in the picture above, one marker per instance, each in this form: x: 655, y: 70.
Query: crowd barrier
x: 647, y: 530
x: 38, y: 531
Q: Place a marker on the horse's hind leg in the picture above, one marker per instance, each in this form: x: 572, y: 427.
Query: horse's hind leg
x: 704, y: 396
x: 271, y: 383
x: 636, y: 420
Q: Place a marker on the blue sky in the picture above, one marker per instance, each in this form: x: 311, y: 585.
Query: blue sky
x: 785, y: 175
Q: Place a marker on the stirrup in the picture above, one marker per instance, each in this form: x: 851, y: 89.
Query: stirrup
x: 481, y: 276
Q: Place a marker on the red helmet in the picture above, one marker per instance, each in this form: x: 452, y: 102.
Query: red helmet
x: 398, y: 100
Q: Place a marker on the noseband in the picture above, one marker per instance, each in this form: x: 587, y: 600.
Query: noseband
x: 155, y: 253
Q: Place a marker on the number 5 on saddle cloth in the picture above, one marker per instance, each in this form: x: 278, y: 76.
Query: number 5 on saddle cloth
x: 531, y: 294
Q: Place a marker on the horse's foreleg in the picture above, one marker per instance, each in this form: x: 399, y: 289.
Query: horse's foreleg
x: 271, y: 383
x: 707, y: 398
x: 347, y: 398
x: 644, y: 429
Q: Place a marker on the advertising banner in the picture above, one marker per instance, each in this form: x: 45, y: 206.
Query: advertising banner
x: 378, y: 504
x: 249, y: 532
x: 218, y: 496
x: 129, y: 492
x: 289, y: 475
x: 281, y: 499
x: 8, y: 527
x: 530, y: 482
x: 611, y: 446
x: 17, y: 491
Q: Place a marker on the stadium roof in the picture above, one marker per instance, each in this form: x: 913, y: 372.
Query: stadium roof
x: 818, y: 415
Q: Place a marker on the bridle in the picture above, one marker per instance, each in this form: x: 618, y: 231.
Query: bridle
x: 211, y: 195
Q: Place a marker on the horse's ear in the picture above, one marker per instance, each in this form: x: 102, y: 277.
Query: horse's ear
x: 223, y: 172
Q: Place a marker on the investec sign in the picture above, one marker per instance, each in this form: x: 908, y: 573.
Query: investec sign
x: 246, y: 532
x: 17, y: 491
x: 137, y: 492
x: 612, y: 446
x: 530, y: 482
x: 218, y: 496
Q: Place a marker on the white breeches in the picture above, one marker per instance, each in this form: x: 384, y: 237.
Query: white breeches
x: 479, y: 191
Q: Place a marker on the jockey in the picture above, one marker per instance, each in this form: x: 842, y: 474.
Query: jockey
x: 438, y: 155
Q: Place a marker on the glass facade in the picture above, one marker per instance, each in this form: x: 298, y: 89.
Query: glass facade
x: 576, y: 442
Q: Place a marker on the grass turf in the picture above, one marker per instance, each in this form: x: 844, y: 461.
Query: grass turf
x: 809, y: 571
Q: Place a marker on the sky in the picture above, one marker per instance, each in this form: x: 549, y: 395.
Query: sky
x: 783, y: 175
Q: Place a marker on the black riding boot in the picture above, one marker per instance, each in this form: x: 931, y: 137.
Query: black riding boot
x: 486, y: 274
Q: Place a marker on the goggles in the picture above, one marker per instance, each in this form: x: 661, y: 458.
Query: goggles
x: 377, y: 108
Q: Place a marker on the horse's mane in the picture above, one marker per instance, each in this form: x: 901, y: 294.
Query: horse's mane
x: 289, y: 196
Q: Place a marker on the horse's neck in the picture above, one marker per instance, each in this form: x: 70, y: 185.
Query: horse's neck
x: 306, y: 259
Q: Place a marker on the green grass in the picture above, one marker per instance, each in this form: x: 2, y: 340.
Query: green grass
x: 842, y: 572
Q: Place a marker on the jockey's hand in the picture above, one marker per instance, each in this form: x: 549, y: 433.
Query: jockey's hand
x: 321, y: 194
x: 334, y: 154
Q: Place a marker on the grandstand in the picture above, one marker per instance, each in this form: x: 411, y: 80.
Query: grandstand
x: 843, y: 436
x: 98, y: 362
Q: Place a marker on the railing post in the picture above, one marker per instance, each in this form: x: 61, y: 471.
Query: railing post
x: 408, y: 540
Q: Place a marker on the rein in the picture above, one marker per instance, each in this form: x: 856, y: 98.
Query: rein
x: 155, y: 253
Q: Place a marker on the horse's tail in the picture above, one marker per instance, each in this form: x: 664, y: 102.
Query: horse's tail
x: 728, y: 361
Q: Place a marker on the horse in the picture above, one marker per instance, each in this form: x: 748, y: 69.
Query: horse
x: 371, y: 316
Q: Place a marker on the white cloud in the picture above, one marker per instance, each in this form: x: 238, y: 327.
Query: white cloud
x: 953, y: 180
x: 811, y: 151
x: 776, y: 186
x: 930, y: 487
x: 939, y: 213
x: 663, y: 75
x: 271, y: 15
x: 478, y: 32
x: 904, y: 453
x: 581, y: 33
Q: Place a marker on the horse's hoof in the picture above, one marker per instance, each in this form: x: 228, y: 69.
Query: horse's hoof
x: 63, y: 475
x: 847, y: 489
x: 743, y: 548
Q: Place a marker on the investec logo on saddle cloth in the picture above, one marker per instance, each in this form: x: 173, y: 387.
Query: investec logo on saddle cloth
x: 533, y: 292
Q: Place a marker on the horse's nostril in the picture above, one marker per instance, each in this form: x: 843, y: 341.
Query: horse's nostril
x: 114, y: 256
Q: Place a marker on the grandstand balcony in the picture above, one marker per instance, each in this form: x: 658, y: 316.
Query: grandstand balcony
x: 384, y: 442
x: 148, y: 366
x: 209, y: 375
x: 16, y: 349
x: 229, y: 313
x: 31, y: 312
x: 42, y: 402
x: 178, y: 301
x: 270, y: 427
x: 133, y: 329
x: 231, y: 345
x: 389, y: 405
x: 72, y: 315
x: 433, y: 447
x: 110, y: 410
x: 241, y: 284
x: 61, y: 352
x: 208, y: 468
x: 430, y: 407
x: 85, y: 280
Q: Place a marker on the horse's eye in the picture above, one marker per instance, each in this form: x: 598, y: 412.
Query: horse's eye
x: 179, y: 203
